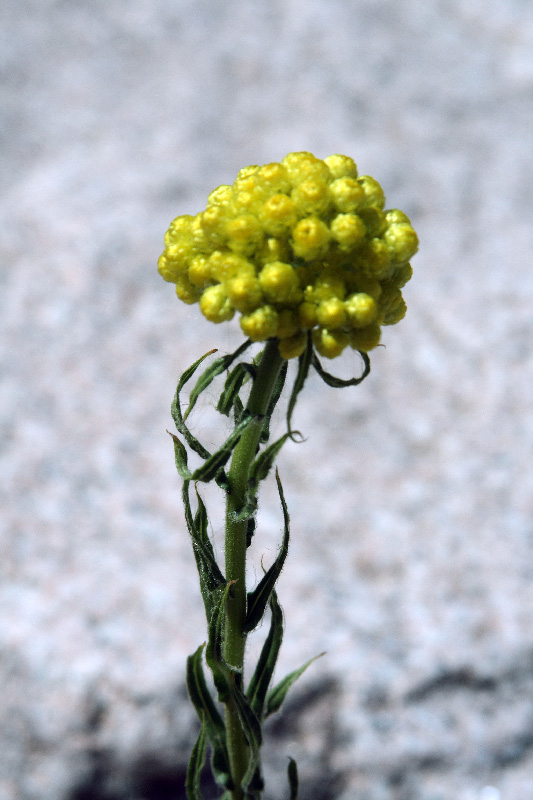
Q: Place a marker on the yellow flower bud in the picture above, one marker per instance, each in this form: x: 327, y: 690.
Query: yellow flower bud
x: 220, y: 196
x: 374, y: 259
x: 363, y: 283
x: 348, y: 230
x: 215, y: 305
x: 392, y: 307
x: 288, y: 324
x: 168, y: 270
x: 244, y: 293
x: 361, y: 309
x: 244, y: 233
x: 303, y: 165
x: 272, y: 250
x: 199, y: 272
x: 401, y: 275
x: 225, y: 265
x: 295, y: 246
x: 347, y: 194
x: 341, y: 166
x: 213, y: 222
x: 311, y: 196
x: 278, y: 215
x: 330, y: 343
x: 365, y: 339
x: 307, y: 314
x: 179, y: 229
x: 274, y: 178
x: 402, y: 241
x: 395, y: 215
x: 310, y: 238
x: 186, y: 291
x: 279, y: 282
x: 374, y: 220
x: 292, y: 347
x: 331, y: 313
x: 261, y: 324
x: 200, y: 241
x: 374, y: 196
x: 329, y: 284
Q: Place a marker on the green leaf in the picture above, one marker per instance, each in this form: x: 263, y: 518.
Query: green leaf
x: 175, y: 409
x: 277, y: 695
x: 339, y: 383
x: 258, y: 687
x: 213, y: 652
x: 304, y: 362
x: 214, y: 464
x: 208, y: 712
x: 251, y: 727
x: 259, y: 598
x: 233, y: 385
x: 292, y: 772
x: 276, y: 394
x: 250, y: 530
x: 196, y: 765
x: 211, y: 578
x: 180, y: 457
x: 264, y: 462
x: 218, y: 366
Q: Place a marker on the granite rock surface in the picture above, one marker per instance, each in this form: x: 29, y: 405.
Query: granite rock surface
x: 412, y: 555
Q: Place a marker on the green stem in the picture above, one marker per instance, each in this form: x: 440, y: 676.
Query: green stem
x: 235, y: 549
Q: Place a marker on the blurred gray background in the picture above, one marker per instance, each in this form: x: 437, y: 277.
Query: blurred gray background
x: 412, y: 553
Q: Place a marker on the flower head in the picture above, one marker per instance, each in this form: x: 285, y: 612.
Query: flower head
x: 295, y: 246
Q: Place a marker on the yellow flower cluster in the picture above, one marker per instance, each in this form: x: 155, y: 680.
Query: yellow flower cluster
x: 300, y: 245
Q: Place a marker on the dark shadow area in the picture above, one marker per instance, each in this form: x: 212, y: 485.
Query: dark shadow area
x: 152, y: 778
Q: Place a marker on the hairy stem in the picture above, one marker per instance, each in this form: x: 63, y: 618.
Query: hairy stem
x: 235, y: 548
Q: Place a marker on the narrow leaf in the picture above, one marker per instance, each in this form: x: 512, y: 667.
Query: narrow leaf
x: 196, y: 765
x: 264, y: 461
x: 277, y: 695
x: 339, y: 383
x: 211, y: 578
x: 258, y: 688
x: 180, y: 457
x: 213, y: 652
x: 304, y: 362
x: 276, y: 394
x: 218, y: 366
x: 233, y: 385
x: 175, y: 409
x: 206, y: 710
x: 215, y: 462
x: 292, y: 772
x: 252, y: 730
x: 259, y: 598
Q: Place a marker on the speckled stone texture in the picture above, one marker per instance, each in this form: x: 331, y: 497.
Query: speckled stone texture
x: 412, y: 553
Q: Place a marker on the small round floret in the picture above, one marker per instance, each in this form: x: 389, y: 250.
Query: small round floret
x: 261, y: 324
x: 361, y: 309
x: 310, y: 238
x: 215, y: 304
x: 279, y: 282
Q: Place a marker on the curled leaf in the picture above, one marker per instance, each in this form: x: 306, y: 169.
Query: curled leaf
x: 339, y: 383
x: 258, y: 688
x: 196, y: 765
x: 304, y: 362
x: 277, y: 695
x: 259, y: 598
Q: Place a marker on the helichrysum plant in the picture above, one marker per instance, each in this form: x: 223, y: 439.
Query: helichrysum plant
x: 307, y: 256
